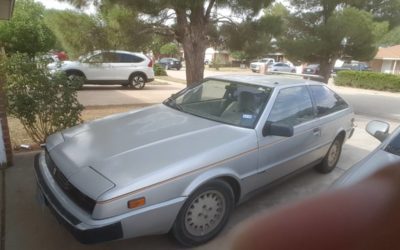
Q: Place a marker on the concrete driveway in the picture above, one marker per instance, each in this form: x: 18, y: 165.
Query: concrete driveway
x: 29, y: 226
x: 26, y: 225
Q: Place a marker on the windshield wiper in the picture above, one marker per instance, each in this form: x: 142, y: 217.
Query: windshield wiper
x: 172, y: 103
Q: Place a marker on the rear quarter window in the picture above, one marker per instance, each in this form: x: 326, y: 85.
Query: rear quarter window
x: 128, y: 58
x: 327, y: 101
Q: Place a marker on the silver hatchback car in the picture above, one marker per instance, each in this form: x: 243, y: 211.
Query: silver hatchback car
x: 183, y: 165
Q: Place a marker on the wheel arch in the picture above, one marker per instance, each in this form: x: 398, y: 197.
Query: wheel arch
x: 342, y: 135
x: 75, y: 71
x: 225, y: 175
x: 138, y: 73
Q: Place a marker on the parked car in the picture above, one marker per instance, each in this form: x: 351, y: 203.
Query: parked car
x: 182, y: 166
x: 170, y: 63
x: 110, y: 67
x: 256, y: 66
x: 387, y: 152
x: 281, y: 67
x: 352, y: 66
x: 312, y: 69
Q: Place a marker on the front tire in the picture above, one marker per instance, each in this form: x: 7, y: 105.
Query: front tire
x: 204, y: 214
x: 76, y: 77
x: 332, y: 157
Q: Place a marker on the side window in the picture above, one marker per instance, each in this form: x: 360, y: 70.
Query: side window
x: 326, y: 100
x: 128, y: 58
x: 109, y: 57
x: 95, y: 59
x: 292, y: 106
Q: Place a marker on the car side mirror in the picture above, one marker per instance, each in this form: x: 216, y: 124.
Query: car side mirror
x: 378, y: 129
x: 277, y: 129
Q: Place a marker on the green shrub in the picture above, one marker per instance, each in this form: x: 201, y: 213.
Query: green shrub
x: 368, y: 80
x: 43, y: 102
x: 159, y: 71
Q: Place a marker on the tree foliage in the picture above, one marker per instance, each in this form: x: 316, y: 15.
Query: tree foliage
x: 391, y: 38
x: 253, y: 38
x: 321, y: 31
x: 26, y: 32
x: 190, y: 23
x: 44, y: 103
x: 170, y: 49
x: 383, y: 10
x: 113, y: 27
x: 78, y: 33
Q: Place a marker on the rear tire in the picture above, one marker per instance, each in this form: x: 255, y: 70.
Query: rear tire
x: 332, y: 157
x: 204, y: 214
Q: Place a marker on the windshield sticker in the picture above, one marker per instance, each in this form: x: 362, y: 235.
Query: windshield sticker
x: 247, y: 116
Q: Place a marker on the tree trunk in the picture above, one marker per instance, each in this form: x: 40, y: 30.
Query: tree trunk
x: 326, y: 66
x: 193, y: 36
x: 194, y: 58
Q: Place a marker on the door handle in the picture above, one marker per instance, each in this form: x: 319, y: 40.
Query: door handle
x: 317, y: 131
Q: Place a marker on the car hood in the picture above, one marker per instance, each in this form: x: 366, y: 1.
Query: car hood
x: 138, y: 148
x: 62, y: 65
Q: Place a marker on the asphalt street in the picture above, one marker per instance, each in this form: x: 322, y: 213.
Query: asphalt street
x: 370, y: 103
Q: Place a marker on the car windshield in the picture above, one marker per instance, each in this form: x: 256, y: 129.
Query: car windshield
x: 232, y: 103
x: 394, y: 146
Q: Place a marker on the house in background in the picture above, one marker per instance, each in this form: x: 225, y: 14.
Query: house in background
x: 6, y: 9
x: 222, y: 56
x: 387, y: 60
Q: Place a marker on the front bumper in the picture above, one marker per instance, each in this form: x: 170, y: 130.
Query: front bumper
x: 150, y: 220
x: 85, y: 236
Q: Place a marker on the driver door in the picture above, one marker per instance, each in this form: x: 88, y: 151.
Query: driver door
x: 280, y: 156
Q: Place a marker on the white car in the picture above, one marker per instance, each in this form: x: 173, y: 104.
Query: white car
x: 110, y: 67
x: 281, y: 67
x: 256, y: 66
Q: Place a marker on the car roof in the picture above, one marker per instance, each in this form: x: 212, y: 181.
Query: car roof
x: 118, y: 51
x: 272, y: 81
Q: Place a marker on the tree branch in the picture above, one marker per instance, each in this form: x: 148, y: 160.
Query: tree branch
x: 209, y: 8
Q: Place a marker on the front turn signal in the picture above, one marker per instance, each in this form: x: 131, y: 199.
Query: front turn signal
x: 136, y: 203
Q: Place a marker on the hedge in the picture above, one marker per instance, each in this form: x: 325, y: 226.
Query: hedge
x: 158, y: 70
x: 368, y: 80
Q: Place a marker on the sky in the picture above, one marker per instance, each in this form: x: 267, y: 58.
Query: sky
x: 54, y: 4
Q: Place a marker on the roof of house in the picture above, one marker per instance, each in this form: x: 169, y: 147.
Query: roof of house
x: 389, y: 53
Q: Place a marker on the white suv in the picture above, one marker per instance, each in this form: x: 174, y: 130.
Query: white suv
x: 110, y: 67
